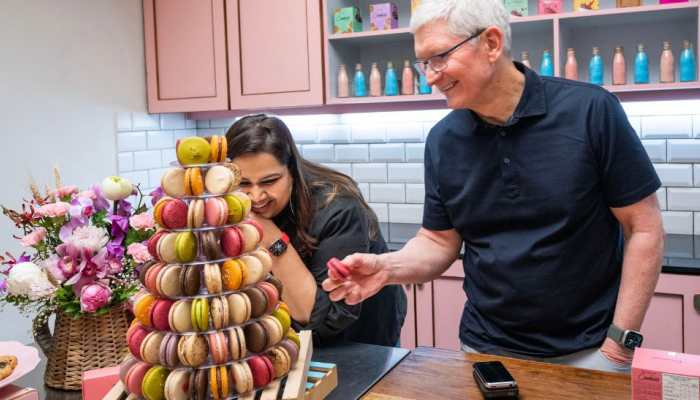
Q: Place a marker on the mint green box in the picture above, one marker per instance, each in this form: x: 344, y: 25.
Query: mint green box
x: 347, y: 19
x: 516, y: 7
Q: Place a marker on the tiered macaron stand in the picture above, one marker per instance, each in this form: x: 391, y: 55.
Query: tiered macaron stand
x: 209, y: 323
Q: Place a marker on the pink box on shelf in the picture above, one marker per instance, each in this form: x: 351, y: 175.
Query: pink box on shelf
x: 549, y: 6
x: 383, y: 16
x: 12, y: 392
x: 665, y: 375
x: 97, y: 382
x: 672, y: 1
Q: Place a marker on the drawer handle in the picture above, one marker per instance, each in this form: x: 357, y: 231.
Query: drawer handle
x: 696, y: 302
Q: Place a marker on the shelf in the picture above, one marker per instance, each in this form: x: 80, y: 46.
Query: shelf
x: 656, y: 91
x: 373, y: 35
x: 387, y: 99
x: 656, y: 8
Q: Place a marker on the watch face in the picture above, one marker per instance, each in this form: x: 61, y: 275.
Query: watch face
x: 278, y: 248
x: 632, y: 340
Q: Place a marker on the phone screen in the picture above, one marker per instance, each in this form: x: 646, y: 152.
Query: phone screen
x: 493, y: 372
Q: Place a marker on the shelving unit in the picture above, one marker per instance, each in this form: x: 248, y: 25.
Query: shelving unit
x: 650, y: 24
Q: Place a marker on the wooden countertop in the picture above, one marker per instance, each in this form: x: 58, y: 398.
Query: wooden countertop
x: 429, y: 373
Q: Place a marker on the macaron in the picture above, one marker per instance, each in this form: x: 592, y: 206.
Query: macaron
x: 218, y: 180
x: 284, y: 318
x: 236, y: 173
x: 167, y: 355
x: 194, y: 183
x: 185, y: 247
x: 125, y: 366
x: 271, y: 294
x: 294, y: 337
x: 177, y: 385
x: 254, y: 270
x: 261, y: 369
x: 219, y: 312
x: 166, y: 248
x: 134, y: 337
x: 236, y: 343
x: 180, y: 316
x: 216, y: 211
x: 195, y: 214
x: 239, y: 308
x: 212, y: 278
x: 245, y: 202
x: 250, y: 236
x: 158, y: 209
x: 256, y: 225
x: 292, y: 349
x: 218, y: 347
x: 193, y: 150
x: 340, y: 269
x: 168, y: 281
x: 275, y: 332
x: 160, y: 313
x: 173, y: 182
x: 281, y: 361
x: 266, y: 260
x: 231, y: 241
x: 174, y: 214
x: 143, y: 270
x: 236, y: 211
x: 211, y: 245
x: 275, y: 281
x: 200, y: 314
x: 231, y: 274
x: 150, y: 347
x: 153, y: 384
x: 142, y: 309
x: 256, y: 338
x: 219, y: 148
x: 134, y: 377
x: 150, y: 280
x: 242, y: 377
x: 258, y: 301
x: 153, y: 244
x: 219, y: 382
x: 189, y: 280
x: 192, y: 350
x: 199, y: 384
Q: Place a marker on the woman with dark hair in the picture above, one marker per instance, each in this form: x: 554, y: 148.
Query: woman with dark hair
x: 311, y: 214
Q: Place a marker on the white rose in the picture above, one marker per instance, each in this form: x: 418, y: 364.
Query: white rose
x: 116, y: 188
x: 28, y: 279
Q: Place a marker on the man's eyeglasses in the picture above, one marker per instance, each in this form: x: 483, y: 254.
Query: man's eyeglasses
x: 438, y: 62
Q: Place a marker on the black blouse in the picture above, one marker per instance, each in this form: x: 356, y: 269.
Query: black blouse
x: 342, y: 228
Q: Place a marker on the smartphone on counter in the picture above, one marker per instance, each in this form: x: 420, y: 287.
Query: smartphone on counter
x: 494, y: 380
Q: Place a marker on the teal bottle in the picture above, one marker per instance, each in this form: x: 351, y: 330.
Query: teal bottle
x: 687, y: 66
x: 423, y: 87
x: 641, y: 65
x: 547, y: 65
x: 391, y: 82
x: 359, y: 83
x: 596, y: 68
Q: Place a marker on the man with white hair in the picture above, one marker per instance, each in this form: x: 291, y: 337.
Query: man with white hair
x: 546, y: 184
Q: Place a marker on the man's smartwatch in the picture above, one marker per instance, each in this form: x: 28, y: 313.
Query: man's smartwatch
x: 628, y: 339
x: 279, y: 246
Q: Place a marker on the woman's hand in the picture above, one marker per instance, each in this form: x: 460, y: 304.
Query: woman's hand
x: 270, y: 230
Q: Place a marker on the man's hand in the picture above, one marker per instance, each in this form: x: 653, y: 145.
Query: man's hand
x: 616, y: 353
x: 366, y: 277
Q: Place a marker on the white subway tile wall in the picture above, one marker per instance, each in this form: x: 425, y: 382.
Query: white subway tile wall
x: 384, y: 151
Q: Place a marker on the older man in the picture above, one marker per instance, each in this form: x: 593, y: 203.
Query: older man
x: 546, y: 184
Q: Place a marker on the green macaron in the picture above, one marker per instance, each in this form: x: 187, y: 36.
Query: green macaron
x: 200, y: 314
x: 154, y: 383
x: 185, y: 247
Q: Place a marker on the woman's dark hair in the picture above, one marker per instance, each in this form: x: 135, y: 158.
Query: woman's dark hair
x: 261, y: 133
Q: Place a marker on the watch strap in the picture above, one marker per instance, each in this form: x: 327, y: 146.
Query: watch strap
x: 616, y: 333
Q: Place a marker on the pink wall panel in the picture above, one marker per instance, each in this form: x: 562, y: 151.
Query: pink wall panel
x: 663, y: 324
x: 424, y: 314
x: 408, y: 331
x: 448, y: 304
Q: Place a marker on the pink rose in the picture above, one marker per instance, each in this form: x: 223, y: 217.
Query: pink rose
x: 34, y: 238
x: 140, y: 252
x: 142, y: 221
x: 57, y: 209
x: 93, y: 296
x: 65, y: 191
x: 90, y: 194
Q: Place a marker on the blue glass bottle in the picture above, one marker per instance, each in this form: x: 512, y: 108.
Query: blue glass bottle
x: 391, y: 82
x: 641, y: 65
x: 359, y: 83
x: 423, y: 87
x: 596, y: 68
x: 547, y: 65
x: 687, y: 66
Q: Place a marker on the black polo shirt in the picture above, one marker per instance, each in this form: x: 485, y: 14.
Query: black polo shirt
x: 531, y: 200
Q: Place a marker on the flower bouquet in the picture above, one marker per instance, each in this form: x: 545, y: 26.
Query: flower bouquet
x: 82, y: 250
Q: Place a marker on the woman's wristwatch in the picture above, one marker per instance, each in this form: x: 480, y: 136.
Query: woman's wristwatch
x: 279, y: 246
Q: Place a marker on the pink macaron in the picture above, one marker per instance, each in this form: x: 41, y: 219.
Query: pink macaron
x: 174, y: 214
x: 216, y: 211
x: 134, y: 337
x: 159, y: 314
x: 231, y: 242
x: 262, y: 370
x: 134, y: 377
x: 218, y: 347
x: 340, y: 269
x: 272, y: 295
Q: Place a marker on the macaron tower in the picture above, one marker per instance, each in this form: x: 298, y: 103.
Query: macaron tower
x: 209, y: 322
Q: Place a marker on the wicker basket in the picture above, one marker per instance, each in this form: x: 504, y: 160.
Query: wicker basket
x: 82, y: 344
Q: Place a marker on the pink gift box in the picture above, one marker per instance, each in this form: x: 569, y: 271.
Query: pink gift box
x: 97, y: 382
x: 12, y: 392
x: 383, y: 16
x: 663, y: 375
x: 672, y: 1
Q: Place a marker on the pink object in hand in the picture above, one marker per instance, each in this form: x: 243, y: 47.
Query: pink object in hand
x: 339, y: 268
x: 98, y: 382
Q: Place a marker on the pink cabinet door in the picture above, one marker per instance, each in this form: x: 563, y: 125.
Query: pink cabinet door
x: 185, y: 44
x: 408, y: 331
x: 448, y: 303
x: 274, y: 53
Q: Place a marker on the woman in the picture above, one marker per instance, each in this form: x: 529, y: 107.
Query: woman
x: 324, y: 216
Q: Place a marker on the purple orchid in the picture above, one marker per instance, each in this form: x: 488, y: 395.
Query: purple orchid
x: 120, y: 227
x: 80, y: 265
x: 156, y: 195
x: 100, y: 202
x: 81, y: 209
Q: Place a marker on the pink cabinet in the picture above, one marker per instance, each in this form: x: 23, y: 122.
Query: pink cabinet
x: 207, y: 55
x: 185, y: 43
x: 408, y: 331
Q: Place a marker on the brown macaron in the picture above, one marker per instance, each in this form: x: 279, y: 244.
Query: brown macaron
x: 256, y: 339
x: 281, y: 360
x: 193, y: 350
x: 258, y: 301
x: 211, y: 246
x: 199, y: 383
x: 278, y: 283
x: 190, y: 278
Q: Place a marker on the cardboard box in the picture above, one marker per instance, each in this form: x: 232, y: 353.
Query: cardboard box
x: 383, y: 16
x: 97, y: 382
x: 665, y: 375
x: 13, y: 392
x: 346, y: 20
x: 516, y: 7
